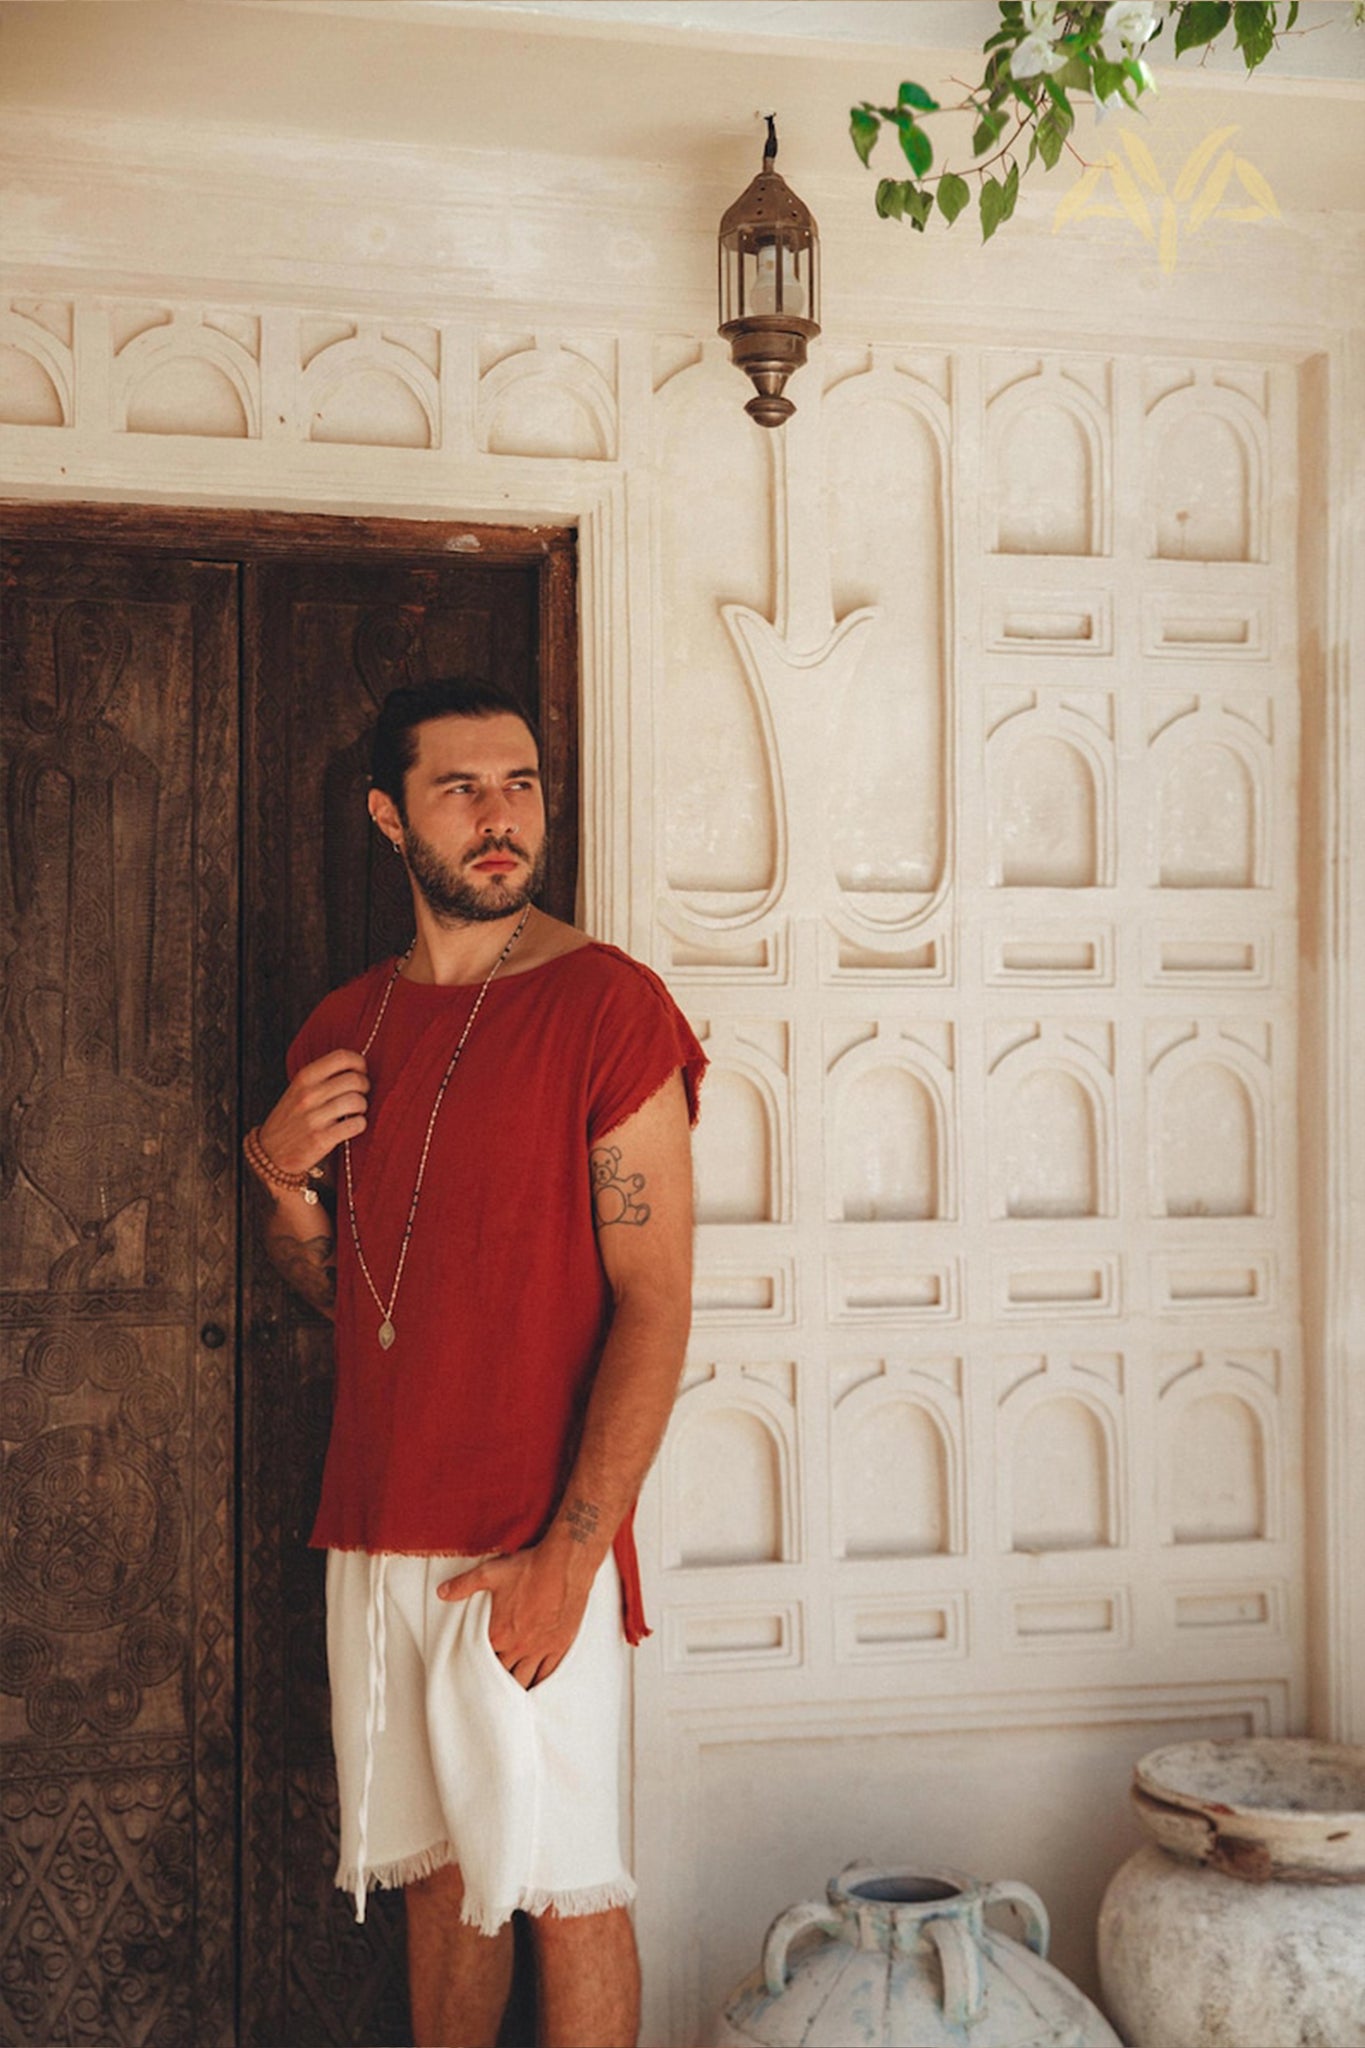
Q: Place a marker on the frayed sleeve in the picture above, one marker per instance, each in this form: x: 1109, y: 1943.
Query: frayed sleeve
x: 642, y: 1039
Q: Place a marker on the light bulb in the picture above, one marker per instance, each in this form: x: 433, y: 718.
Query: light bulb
x: 763, y: 298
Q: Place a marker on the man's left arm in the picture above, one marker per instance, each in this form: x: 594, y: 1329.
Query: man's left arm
x: 642, y: 1198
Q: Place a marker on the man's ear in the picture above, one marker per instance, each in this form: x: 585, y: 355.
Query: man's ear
x: 384, y: 811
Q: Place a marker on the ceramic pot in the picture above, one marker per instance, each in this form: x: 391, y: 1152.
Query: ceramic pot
x: 1244, y: 1920
x: 905, y: 1960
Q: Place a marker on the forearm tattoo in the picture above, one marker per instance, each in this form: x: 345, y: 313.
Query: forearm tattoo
x: 615, y: 1195
x: 308, y: 1264
x: 581, y: 1519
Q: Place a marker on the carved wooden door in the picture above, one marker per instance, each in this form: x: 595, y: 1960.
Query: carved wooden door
x: 148, y: 1741
x: 118, y: 1297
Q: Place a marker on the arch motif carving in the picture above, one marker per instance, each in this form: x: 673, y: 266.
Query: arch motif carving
x: 921, y: 1182
x: 865, y: 1429
x: 368, y: 353
x: 1088, y: 1482
x: 1239, y: 810
x: 746, y: 1065
x: 1086, y: 1181
x: 1086, y: 521
x: 548, y: 367
x: 50, y: 362
x: 762, y: 1452
x: 1173, y: 422
x: 1028, y: 850
x: 1220, y: 1433
x: 149, y: 356
x: 1184, y: 1155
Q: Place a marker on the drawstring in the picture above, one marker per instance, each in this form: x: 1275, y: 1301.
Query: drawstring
x: 376, y: 1638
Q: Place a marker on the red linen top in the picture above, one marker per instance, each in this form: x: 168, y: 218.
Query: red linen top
x: 459, y: 1439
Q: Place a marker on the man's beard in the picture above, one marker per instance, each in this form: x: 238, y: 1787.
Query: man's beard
x: 453, y: 900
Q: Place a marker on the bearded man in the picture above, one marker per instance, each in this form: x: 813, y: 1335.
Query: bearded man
x: 480, y: 1169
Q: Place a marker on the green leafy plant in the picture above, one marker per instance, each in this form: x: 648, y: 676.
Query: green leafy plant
x: 1044, y: 55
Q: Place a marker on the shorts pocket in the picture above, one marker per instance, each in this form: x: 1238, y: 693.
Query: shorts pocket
x: 570, y: 1655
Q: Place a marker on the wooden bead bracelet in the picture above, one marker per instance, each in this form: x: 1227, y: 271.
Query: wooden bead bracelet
x: 265, y: 1169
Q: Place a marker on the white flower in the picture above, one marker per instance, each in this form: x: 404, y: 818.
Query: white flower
x: 1040, y: 17
x: 1033, y: 55
x: 1128, y: 24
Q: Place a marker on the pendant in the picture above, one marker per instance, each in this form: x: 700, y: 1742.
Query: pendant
x: 310, y: 1195
x: 387, y: 1333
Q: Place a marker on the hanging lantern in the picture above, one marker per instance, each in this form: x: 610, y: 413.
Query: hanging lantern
x: 769, y: 275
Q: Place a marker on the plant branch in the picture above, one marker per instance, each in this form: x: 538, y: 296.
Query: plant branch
x: 1040, y: 57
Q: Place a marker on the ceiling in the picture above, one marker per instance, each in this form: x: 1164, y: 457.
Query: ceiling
x: 1323, y: 44
x: 657, y: 83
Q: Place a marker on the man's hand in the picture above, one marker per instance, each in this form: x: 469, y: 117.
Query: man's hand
x: 538, y: 1601
x: 324, y: 1104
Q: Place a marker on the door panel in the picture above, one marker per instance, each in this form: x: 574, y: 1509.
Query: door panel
x: 117, y: 1297
x: 324, y: 642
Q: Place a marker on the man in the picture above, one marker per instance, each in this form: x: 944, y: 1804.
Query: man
x: 498, y: 1122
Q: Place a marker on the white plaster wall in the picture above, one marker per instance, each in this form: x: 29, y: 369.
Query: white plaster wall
x: 972, y: 758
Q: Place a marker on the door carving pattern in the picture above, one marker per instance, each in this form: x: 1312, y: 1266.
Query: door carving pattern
x: 116, y: 1658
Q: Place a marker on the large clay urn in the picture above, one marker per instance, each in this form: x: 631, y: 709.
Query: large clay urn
x: 1242, y: 1923
x: 899, y: 1959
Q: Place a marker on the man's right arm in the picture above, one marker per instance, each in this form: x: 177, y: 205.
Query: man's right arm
x: 300, y: 1240
x: 323, y: 1105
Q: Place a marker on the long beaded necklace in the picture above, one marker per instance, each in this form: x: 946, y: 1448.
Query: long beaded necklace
x: 387, y: 1332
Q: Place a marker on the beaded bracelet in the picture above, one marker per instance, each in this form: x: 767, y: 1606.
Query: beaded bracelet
x: 265, y: 1169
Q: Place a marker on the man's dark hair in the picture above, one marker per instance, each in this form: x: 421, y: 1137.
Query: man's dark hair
x: 394, y: 747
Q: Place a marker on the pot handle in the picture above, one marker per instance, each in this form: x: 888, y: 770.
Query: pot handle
x: 1008, y: 1891
x: 788, y: 1926
x: 964, y: 1980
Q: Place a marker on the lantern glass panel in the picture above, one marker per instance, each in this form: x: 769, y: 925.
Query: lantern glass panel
x: 732, y: 305
x: 779, y: 280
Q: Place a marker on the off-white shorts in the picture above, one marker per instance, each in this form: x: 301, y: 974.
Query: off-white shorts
x: 443, y: 1758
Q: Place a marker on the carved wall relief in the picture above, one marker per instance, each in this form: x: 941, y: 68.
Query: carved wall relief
x: 1061, y: 1436
x: 721, y: 831
x: 1222, y: 1434
x: 891, y: 1118
x: 890, y: 1148
x: 743, y: 1148
x: 898, y: 1464
x: 1212, y: 1131
x: 37, y: 369
x: 730, y: 1474
x: 548, y: 400
x: 1051, y: 764
x: 1052, y: 1151
x: 734, y: 1160
x: 371, y: 385
x: 186, y: 374
x: 1048, y: 461
x: 1212, y: 784
x: 886, y: 782
x: 1209, y: 458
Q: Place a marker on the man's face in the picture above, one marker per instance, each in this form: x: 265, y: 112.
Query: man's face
x: 474, y: 834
